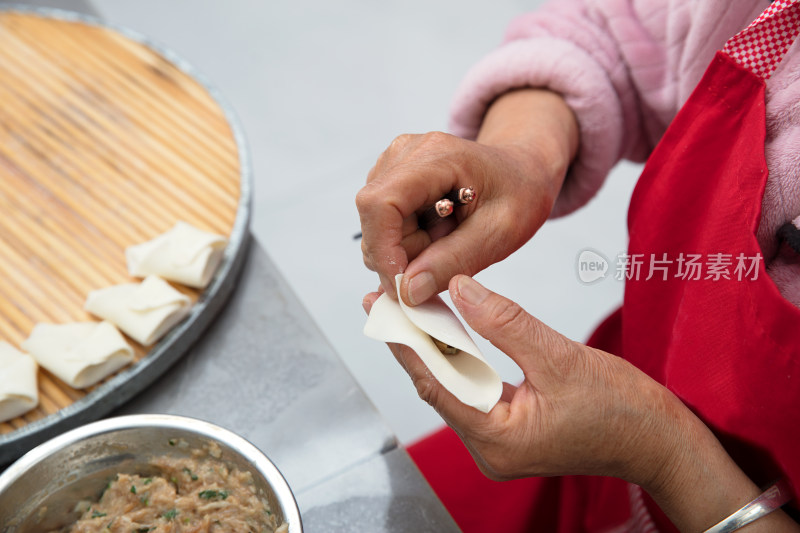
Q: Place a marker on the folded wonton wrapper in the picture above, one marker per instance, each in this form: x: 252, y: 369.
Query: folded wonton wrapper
x: 466, y: 374
x: 18, y: 392
x: 81, y: 353
x: 144, y: 311
x: 184, y: 254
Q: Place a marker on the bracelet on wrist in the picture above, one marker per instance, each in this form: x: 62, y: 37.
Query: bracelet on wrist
x: 769, y: 500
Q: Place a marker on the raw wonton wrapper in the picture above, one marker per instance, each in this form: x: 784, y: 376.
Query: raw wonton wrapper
x: 81, y: 353
x: 18, y: 392
x: 144, y: 311
x: 466, y: 374
x: 184, y: 254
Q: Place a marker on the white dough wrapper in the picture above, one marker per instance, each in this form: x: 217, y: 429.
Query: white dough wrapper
x: 18, y: 392
x: 81, y: 353
x: 184, y: 254
x: 466, y: 374
x: 145, y: 311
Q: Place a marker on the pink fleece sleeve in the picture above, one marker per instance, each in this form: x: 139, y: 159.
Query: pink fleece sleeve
x: 573, y: 48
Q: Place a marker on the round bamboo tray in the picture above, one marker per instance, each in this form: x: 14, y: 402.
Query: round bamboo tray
x: 106, y: 141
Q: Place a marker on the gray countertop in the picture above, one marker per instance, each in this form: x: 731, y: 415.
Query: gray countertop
x: 264, y: 370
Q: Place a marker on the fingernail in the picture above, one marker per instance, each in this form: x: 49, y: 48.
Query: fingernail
x: 471, y: 291
x: 421, y: 287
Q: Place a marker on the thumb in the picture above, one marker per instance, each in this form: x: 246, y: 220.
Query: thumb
x: 525, y: 339
x: 453, y: 251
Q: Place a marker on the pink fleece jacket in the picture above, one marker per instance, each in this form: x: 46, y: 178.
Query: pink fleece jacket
x: 625, y: 67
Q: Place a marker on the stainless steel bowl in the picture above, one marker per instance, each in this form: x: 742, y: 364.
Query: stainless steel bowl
x: 39, y: 492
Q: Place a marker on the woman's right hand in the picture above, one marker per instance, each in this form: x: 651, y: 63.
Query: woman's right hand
x: 581, y: 411
x: 516, y: 167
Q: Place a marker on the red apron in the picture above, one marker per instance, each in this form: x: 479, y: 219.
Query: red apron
x: 700, y: 315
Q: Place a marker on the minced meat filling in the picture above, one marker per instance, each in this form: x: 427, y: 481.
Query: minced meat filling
x: 190, y: 495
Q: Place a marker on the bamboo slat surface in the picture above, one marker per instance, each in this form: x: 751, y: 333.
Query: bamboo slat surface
x: 104, y: 143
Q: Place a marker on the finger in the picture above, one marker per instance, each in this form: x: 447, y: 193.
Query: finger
x: 526, y: 340
x: 410, y: 225
x: 393, y: 153
x: 427, y: 167
x: 384, y: 224
x: 469, y: 248
x: 419, y: 373
x: 415, y: 243
x: 429, y: 389
x: 417, y: 171
x: 482, y: 465
x: 369, y: 300
x: 382, y: 235
x: 509, y: 391
x: 442, y: 227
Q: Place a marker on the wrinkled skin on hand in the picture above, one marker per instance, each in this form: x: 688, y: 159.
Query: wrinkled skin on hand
x: 578, y: 410
x: 516, y: 166
x: 583, y: 411
x: 415, y: 172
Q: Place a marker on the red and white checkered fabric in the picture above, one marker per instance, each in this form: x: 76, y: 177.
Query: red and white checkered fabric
x: 761, y: 46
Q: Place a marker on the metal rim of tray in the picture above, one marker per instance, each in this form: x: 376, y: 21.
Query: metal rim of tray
x: 128, y: 382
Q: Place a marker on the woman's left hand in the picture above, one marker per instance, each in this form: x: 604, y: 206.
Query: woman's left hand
x: 582, y: 411
x: 578, y: 410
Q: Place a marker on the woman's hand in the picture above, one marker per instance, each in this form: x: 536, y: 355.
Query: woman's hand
x: 516, y: 167
x: 578, y: 410
x: 584, y: 411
